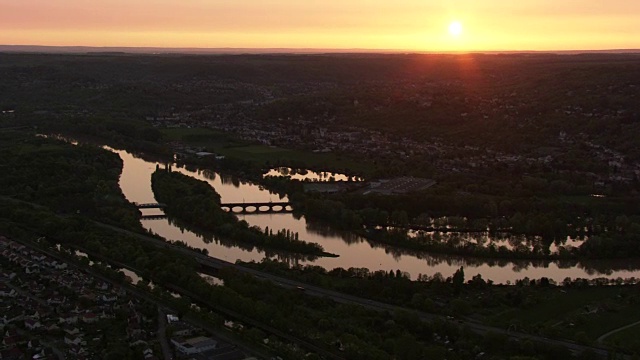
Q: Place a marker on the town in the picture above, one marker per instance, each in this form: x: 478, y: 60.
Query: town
x: 53, y: 310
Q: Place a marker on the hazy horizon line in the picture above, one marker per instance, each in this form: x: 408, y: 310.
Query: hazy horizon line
x: 278, y: 50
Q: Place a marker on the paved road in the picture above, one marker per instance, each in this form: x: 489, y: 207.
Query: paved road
x: 345, y: 298
x: 162, y: 335
x: 601, y: 338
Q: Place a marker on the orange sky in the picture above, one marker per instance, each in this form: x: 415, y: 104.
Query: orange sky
x: 338, y: 24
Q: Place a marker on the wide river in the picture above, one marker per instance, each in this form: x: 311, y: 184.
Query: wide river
x: 354, y: 251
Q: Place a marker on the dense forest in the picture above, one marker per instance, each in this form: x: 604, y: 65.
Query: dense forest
x: 69, y: 179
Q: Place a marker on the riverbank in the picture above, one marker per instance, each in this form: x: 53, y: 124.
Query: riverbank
x: 353, y: 250
x: 196, y: 203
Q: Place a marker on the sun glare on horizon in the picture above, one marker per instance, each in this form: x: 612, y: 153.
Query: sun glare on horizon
x: 455, y: 28
x: 416, y: 25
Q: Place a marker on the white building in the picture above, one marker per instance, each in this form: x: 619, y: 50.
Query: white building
x: 195, y: 345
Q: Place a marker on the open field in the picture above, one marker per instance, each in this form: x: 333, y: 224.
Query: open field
x: 581, y: 314
x: 627, y: 338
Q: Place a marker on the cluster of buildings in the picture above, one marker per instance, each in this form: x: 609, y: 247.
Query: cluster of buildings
x: 190, y: 343
x: 46, y: 300
x: 51, y: 310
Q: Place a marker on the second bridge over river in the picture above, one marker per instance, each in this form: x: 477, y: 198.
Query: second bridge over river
x: 238, y: 208
x: 258, y: 207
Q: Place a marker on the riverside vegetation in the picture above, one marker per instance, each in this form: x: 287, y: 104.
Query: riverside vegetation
x: 197, y: 203
x: 360, y: 333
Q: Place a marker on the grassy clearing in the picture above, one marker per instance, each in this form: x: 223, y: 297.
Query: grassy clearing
x: 556, y: 310
x: 200, y: 137
x: 24, y: 149
x: 599, y: 324
x: 550, y: 305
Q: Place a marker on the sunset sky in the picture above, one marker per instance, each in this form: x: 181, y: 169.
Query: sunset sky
x: 420, y: 25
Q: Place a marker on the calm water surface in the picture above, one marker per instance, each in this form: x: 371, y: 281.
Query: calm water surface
x: 310, y: 175
x: 354, y: 251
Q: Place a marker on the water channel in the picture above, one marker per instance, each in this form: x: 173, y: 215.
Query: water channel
x: 354, y: 251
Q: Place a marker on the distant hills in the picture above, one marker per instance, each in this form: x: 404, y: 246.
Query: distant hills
x: 213, y: 51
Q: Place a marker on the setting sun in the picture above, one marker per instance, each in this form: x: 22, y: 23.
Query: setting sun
x: 455, y: 28
x: 407, y: 25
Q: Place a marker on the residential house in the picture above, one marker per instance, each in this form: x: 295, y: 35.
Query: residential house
x: 89, y: 318
x: 6, y: 291
x: 31, y: 324
x: 69, y: 318
x: 108, y: 298
x: 73, y: 340
x: 56, y: 300
x: 72, y: 331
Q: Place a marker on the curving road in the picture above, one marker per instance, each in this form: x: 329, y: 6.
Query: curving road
x: 601, y: 338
